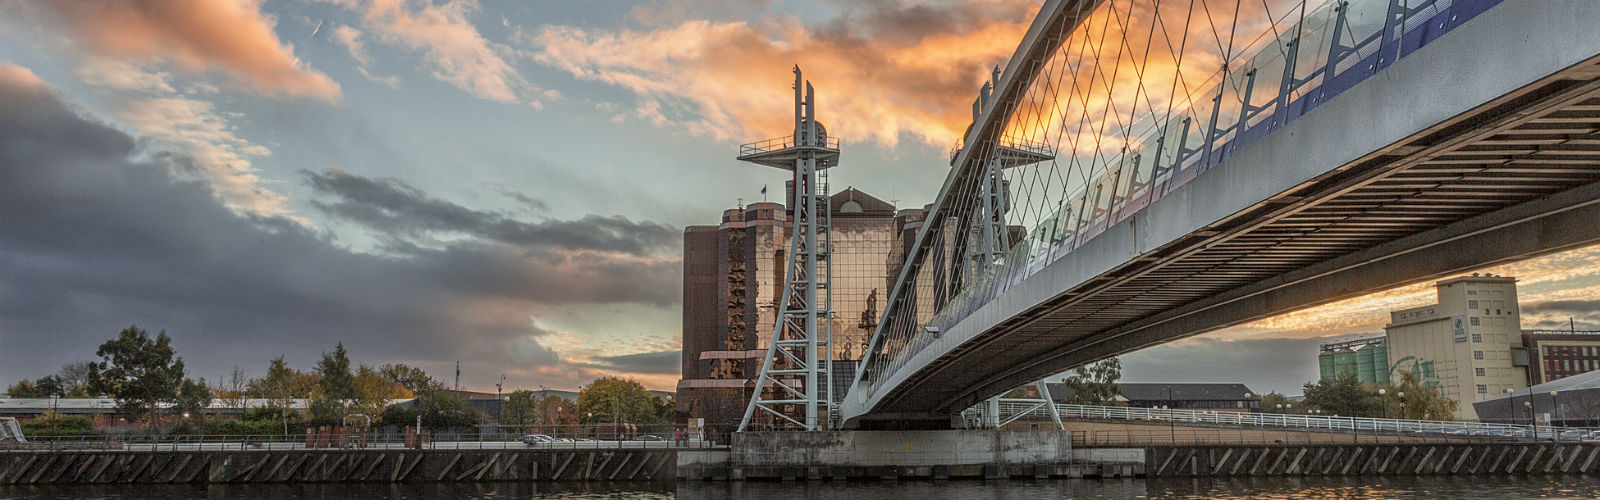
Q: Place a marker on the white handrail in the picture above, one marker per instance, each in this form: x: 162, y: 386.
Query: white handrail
x: 1012, y: 409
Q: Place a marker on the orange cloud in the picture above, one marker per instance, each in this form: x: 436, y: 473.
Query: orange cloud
x: 881, y: 69
x: 197, y: 35
x: 1570, y: 275
x: 460, y: 55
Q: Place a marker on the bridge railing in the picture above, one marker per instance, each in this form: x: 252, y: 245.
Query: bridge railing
x: 377, y: 441
x: 1010, y: 408
x: 1302, y: 57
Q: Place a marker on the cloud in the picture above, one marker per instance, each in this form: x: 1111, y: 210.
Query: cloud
x: 232, y: 36
x: 394, y: 207
x: 94, y: 237
x: 1265, y: 365
x: 351, y: 38
x: 882, y: 69
x: 654, y: 363
x: 444, y: 33
x: 192, y: 136
x: 122, y: 75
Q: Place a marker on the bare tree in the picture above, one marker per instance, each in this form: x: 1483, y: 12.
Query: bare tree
x: 74, y: 378
x: 236, y: 383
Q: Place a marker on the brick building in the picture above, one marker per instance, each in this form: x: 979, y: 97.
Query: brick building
x: 732, y: 274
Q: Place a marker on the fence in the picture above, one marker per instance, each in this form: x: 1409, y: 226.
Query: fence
x: 1011, y: 409
x: 378, y: 441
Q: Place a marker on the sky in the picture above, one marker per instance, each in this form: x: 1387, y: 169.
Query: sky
x: 502, y: 184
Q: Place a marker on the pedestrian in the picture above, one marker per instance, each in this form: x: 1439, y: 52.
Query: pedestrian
x: 677, y: 436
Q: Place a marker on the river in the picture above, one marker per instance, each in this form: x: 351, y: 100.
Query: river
x: 1308, y: 488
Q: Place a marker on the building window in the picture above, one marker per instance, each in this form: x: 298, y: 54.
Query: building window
x: 1546, y: 350
x: 1474, y: 321
x: 1480, y: 372
x: 1483, y: 389
x: 1472, y: 304
x: 1477, y: 354
x: 1477, y: 338
x: 1472, y: 292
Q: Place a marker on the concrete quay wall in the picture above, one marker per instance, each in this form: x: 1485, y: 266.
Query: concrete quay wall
x: 905, y: 448
x: 267, y: 466
x: 893, y: 455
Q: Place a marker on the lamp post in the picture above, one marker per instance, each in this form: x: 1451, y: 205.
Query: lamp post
x: 1531, y: 423
x: 1172, y: 425
x: 1402, y: 396
x: 55, y: 411
x: 1384, y: 394
x: 1555, y: 407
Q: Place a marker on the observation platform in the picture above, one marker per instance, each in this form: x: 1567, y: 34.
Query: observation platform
x: 782, y: 152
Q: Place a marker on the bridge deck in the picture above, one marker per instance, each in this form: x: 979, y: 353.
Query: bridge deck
x: 1481, y: 148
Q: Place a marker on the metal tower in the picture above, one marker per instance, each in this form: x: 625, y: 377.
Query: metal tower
x: 795, y: 384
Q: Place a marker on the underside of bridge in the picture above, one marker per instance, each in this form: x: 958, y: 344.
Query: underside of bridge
x: 1511, y: 179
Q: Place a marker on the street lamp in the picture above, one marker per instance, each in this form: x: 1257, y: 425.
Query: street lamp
x: 1531, y: 422
x: 1402, y: 396
x: 1555, y: 407
x: 55, y: 411
x: 1172, y: 425
x: 1382, y: 393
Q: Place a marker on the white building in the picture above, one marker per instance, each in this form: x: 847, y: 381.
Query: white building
x: 1469, y: 344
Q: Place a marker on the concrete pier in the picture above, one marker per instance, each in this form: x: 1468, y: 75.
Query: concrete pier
x: 895, y: 455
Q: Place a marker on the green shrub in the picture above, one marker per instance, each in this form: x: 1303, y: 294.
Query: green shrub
x: 56, y: 424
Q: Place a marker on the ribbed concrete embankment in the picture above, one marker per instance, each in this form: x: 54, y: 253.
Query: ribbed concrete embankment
x: 1373, y: 459
x: 256, y: 466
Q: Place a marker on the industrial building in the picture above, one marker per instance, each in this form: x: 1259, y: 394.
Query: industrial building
x: 1367, y: 357
x: 1572, y: 401
x: 1469, y: 344
x: 732, y: 274
x: 1558, y: 354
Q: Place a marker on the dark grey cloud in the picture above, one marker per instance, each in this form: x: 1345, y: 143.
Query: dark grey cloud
x: 1573, y: 307
x: 94, y: 237
x: 1264, y: 364
x: 397, y: 208
x: 1562, y: 314
x: 655, y: 363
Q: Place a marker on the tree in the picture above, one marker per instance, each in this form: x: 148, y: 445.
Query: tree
x: 518, y: 409
x: 555, y: 413
x: 44, y: 387
x: 1270, y: 403
x: 1420, y: 402
x: 74, y: 378
x: 443, y: 408
x: 612, y: 399
x: 277, y: 386
x: 233, y: 389
x: 193, y: 398
x: 336, y: 387
x: 1095, y: 384
x: 23, y: 389
x: 373, y: 392
x: 1343, y: 395
x: 140, y: 372
x: 409, y: 377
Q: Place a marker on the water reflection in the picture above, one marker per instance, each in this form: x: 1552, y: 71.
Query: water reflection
x: 1306, y: 488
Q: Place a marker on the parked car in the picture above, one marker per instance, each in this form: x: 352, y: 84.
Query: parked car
x: 649, y: 437
x: 533, y: 439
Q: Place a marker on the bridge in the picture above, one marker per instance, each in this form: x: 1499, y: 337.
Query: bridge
x: 1142, y: 171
